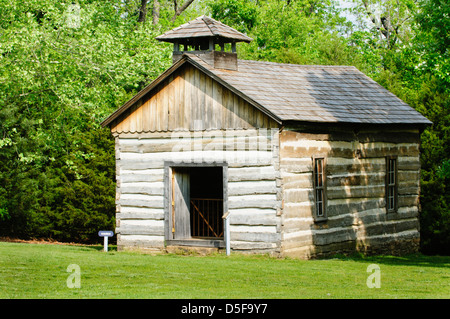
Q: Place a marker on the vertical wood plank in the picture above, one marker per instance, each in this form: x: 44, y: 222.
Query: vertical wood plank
x: 187, y: 98
x: 266, y: 121
x: 251, y: 115
x: 132, y: 122
x: 201, y: 98
x: 226, y: 122
x: 194, y: 102
x: 165, y: 106
x: 217, y: 105
x: 117, y: 128
x: 152, y: 113
x: 237, y: 123
x: 194, y: 98
x: 158, y: 109
x: 182, y: 203
x: 138, y: 119
x: 181, y: 103
x: 145, y: 117
x: 259, y: 119
x: 126, y: 124
x: 248, y: 114
x: 208, y: 104
x: 242, y: 113
x: 171, y: 92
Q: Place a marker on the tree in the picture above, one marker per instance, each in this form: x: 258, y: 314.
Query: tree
x: 178, y: 9
x: 302, y: 31
x: 64, y: 68
x: 433, y: 40
x: 156, y: 8
x: 143, y: 10
x: 431, y: 45
x: 390, y: 20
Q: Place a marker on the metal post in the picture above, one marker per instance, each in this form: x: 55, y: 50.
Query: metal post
x: 226, y: 218
x: 105, y: 243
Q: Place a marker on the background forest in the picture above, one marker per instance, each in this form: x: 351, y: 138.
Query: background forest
x: 66, y: 65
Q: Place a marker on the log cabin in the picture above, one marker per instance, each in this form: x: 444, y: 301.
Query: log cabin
x: 303, y: 160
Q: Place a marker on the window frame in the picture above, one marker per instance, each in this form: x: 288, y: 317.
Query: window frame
x: 322, y: 187
x: 391, y: 184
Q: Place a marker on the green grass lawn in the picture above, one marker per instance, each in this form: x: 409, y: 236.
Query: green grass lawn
x: 40, y: 271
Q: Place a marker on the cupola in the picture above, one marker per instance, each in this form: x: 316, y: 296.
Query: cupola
x: 211, y: 40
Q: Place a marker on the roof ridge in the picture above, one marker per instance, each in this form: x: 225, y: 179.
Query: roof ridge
x: 209, y: 23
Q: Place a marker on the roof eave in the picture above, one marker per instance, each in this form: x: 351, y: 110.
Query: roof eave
x: 419, y: 125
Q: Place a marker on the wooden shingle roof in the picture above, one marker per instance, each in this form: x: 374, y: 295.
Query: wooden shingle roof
x: 203, y: 27
x: 315, y: 93
x: 304, y: 93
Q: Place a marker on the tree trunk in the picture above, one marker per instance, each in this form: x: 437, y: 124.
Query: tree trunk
x: 142, y: 11
x: 155, y: 13
x: 179, y: 10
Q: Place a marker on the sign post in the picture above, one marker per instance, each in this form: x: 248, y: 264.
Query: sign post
x: 226, y: 218
x: 105, y: 234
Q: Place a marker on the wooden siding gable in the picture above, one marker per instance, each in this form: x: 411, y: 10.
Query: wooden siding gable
x: 189, y: 99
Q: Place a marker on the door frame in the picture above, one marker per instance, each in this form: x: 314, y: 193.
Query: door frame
x: 168, y: 173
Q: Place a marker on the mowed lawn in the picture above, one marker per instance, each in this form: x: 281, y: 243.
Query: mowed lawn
x: 40, y: 271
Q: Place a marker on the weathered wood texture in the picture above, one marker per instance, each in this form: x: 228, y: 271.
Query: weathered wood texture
x: 203, y: 27
x: 253, y: 187
x: 357, y: 218
x: 315, y: 93
x: 190, y: 100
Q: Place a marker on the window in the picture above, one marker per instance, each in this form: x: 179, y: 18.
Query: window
x: 391, y: 184
x: 319, y: 178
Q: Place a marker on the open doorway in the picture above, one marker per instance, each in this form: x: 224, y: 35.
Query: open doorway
x: 196, y: 203
x: 206, y: 202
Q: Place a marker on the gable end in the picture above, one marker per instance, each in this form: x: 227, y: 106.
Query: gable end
x: 189, y: 99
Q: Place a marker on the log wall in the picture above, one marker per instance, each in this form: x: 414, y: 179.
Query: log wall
x: 356, y: 205
x: 253, y: 188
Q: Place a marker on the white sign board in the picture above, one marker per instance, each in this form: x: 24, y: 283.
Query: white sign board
x: 105, y: 234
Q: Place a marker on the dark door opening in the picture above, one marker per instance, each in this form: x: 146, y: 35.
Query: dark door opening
x: 206, y: 202
x: 197, y: 202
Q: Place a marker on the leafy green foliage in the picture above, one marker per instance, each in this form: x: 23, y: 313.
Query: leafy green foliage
x: 65, y: 67
x: 239, y: 13
x: 301, y: 32
x: 434, y: 40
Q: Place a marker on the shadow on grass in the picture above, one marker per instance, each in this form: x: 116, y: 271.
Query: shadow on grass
x: 99, y: 248
x: 409, y: 260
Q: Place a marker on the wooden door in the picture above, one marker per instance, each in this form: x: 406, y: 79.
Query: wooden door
x: 181, y: 228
